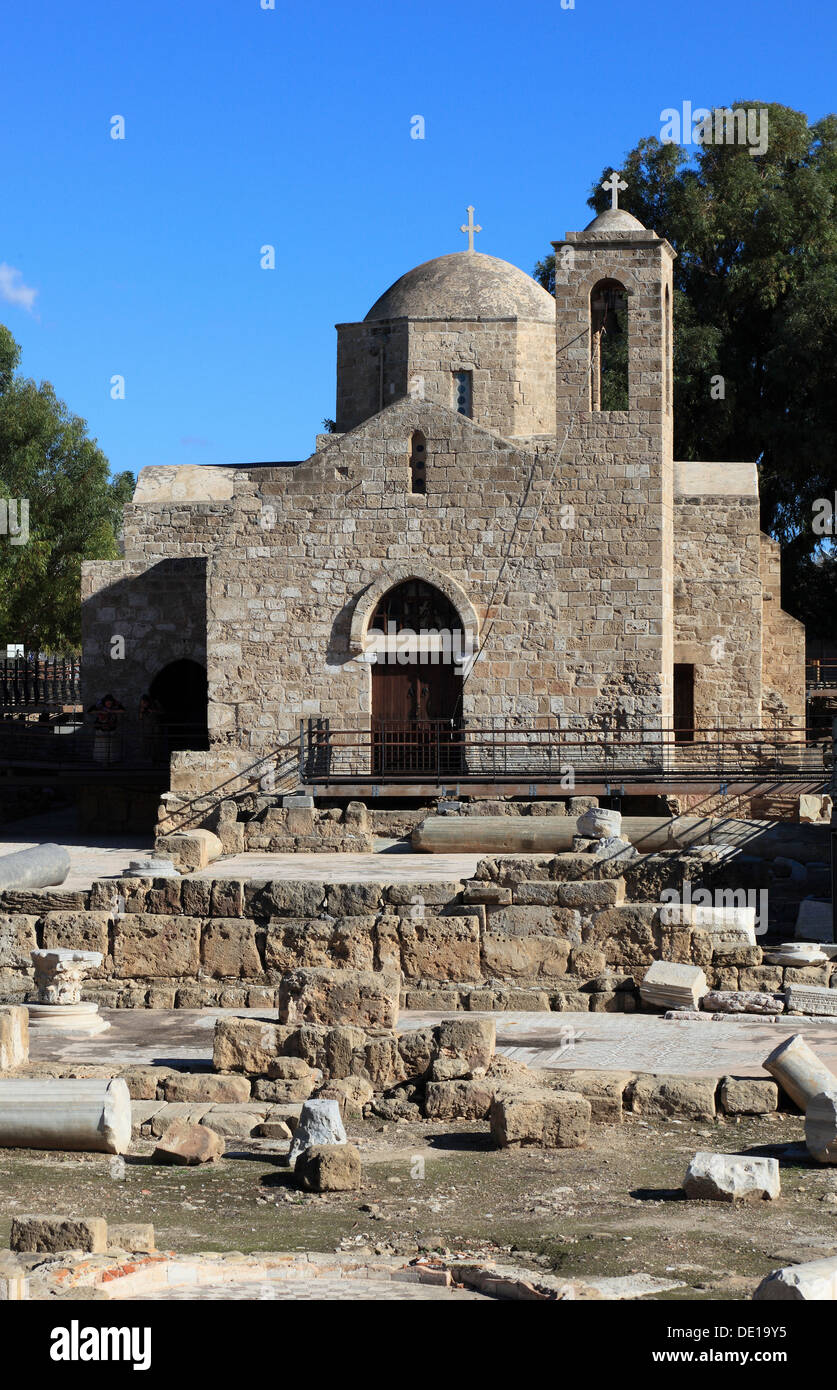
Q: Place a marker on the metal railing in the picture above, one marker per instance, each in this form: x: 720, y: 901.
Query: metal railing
x: 96, y: 740
x: 548, y: 749
x: 29, y: 683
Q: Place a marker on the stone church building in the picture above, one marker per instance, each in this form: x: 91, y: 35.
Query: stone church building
x: 501, y: 480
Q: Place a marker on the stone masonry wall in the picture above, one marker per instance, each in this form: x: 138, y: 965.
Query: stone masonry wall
x: 512, y: 362
x: 783, y: 647
x: 718, y: 606
x: 526, y: 933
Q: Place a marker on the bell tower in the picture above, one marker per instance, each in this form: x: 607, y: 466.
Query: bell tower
x: 613, y: 291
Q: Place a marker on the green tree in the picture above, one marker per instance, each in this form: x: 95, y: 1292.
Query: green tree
x: 74, y: 510
x: 755, y: 307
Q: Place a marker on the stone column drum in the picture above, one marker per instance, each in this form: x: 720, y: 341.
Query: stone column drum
x: 799, y: 1070
x: 85, y: 1116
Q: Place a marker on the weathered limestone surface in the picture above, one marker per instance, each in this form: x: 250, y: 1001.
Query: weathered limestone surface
x: 187, y: 1145
x: 555, y: 1121
x: 362, y: 997
x: 814, y: 1281
x: 329, y: 1168
x: 731, y: 1178
x: 50, y: 1234
x: 319, y: 1123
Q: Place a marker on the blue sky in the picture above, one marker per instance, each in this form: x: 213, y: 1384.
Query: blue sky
x: 291, y: 126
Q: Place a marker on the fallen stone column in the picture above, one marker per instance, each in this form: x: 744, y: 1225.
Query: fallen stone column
x: 799, y: 1071
x: 41, y: 867
x: 87, y: 1116
x: 821, y: 1127
x: 555, y: 834
x: 14, y: 1037
x: 815, y: 1281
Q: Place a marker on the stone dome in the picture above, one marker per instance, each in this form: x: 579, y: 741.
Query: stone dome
x: 465, y: 285
x: 615, y: 220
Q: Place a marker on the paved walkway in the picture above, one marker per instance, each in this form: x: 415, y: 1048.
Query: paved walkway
x: 349, y: 1290
x: 95, y: 856
x: 606, y: 1042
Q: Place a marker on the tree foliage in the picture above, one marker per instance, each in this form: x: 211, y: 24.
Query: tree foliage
x: 75, y: 510
x: 755, y: 303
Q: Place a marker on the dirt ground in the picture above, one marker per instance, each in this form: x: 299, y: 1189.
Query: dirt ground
x: 611, y: 1208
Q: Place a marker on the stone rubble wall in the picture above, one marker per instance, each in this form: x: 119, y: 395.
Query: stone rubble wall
x: 531, y: 933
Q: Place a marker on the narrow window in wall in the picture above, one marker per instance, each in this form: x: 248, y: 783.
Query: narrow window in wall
x: 609, y: 346
x: 684, y: 702
x: 418, y: 462
x: 463, y: 392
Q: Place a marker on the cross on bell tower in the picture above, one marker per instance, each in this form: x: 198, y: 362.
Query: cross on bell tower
x: 614, y: 186
x: 470, y: 228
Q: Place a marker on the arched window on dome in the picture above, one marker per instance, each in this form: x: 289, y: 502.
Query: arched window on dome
x: 418, y: 463
x: 609, y: 346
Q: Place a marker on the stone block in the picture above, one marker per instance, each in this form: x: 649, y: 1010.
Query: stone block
x: 458, y: 1100
x: 278, y: 897
x: 17, y: 941
x: 690, y: 1096
x: 746, y: 1095
x: 667, y: 985
x: 229, y: 949
x: 234, y: 1121
x: 292, y: 944
x: 471, y: 1040
x: 48, y: 1235
x: 188, y: 1144
x: 227, y: 899
x: 196, y: 1087
x: 133, y: 1236
x: 714, y: 1177
x: 76, y: 931
x: 352, y: 1093
x: 603, y: 1089
x: 805, y: 1000
x: 354, y: 899
x: 440, y: 948
x: 362, y: 997
x: 524, y: 957
x: 548, y: 1120
x: 190, y: 850
x: 628, y: 934
x: 146, y: 946
x: 246, y: 1045
x: 329, y: 1168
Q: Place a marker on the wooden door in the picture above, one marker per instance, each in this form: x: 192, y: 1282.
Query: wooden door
x: 416, y: 718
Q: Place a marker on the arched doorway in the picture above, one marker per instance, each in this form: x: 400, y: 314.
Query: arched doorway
x: 178, y: 697
x: 416, y: 682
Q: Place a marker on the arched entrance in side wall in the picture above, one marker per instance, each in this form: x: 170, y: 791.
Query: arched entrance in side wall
x: 179, y: 698
x: 417, y: 687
